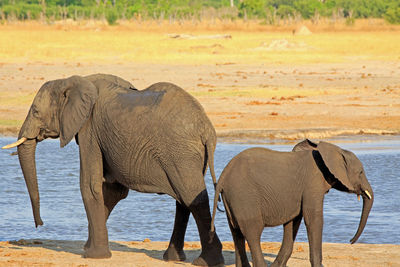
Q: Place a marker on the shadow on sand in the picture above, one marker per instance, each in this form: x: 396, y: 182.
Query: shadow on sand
x: 76, y: 247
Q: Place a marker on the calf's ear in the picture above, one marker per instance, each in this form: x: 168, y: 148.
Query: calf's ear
x: 335, y: 161
x: 305, y: 145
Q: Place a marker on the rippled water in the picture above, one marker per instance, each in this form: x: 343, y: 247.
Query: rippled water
x: 151, y: 216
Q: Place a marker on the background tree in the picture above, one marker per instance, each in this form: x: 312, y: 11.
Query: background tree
x: 181, y: 9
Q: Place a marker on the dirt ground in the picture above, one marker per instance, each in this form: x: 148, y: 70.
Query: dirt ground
x: 149, y: 253
x: 254, y: 81
x: 244, y: 101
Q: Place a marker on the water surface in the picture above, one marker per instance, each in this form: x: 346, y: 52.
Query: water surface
x: 141, y: 216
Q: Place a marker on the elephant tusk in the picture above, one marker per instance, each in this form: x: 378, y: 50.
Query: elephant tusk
x: 19, y: 142
x: 368, y: 194
x: 358, y: 197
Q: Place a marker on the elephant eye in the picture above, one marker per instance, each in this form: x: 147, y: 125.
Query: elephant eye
x: 35, y: 113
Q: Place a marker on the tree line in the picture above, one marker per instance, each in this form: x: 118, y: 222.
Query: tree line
x: 272, y: 11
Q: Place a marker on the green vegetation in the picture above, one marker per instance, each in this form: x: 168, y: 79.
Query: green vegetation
x: 270, y: 10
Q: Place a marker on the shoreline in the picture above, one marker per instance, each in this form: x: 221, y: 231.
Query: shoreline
x: 42, y: 252
x: 253, y: 102
x: 283, y: 136
x: 290, y: 136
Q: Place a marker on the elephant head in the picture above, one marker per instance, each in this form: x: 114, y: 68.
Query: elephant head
x: 59, y: 109
x: 350, y: 175
x: 345, y: 172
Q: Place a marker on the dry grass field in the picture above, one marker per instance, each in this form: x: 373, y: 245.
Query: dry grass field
x: 149, y: 43
x: 253, y: 80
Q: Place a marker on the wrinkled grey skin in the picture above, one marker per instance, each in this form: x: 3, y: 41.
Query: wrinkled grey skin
x: 157, y: 140
x: 263, y: 188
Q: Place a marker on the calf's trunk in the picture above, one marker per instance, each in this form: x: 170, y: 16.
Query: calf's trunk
x: 367, y: 205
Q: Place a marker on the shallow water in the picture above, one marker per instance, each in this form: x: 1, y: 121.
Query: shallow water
x: 151, y: 216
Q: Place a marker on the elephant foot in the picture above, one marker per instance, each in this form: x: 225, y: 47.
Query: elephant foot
x: 98, y: 253
x: 278, y: 264
x: 172, y: 254
x: 87, y: 245
x: 209, y: 259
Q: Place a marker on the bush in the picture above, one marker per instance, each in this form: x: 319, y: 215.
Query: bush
x: 22, y: 11
x: 307, y: 8
x: 270, y: 10
x: 285, y: 11
x: 252, y: 8
x: 111, y: 16
x: 392, y: 15
x: 350, y: 21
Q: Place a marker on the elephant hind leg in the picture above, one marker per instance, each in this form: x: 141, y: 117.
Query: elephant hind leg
x: 211, y: 254
x: 252, y: 230
x: 241, y: 259
x: 289, y: 235
x: 187, y: 180
x: 175, y: 247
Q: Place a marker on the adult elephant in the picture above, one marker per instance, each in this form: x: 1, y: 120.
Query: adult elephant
x: 157, y: 140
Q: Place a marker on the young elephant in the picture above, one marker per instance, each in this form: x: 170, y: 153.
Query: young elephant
x: 262, y: 187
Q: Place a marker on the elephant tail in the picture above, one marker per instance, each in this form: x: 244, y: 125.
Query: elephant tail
x: 218, y: 190
x: 210, y: 145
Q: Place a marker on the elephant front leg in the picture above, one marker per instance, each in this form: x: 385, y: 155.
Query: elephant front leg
x: 175, y: 248
x: 92, y: 194
x: 313, y: 218
x: 112, y: 194
x: 97, y: 245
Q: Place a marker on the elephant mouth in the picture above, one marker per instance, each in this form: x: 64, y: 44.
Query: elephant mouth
x: 44, y: 134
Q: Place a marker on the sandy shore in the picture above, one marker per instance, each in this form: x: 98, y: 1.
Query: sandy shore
x: 288, y: 102
x: 149, y: 253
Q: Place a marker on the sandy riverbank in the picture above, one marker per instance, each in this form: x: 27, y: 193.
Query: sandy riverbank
x: 245, y: 101
x: 262, y: 82
x: 148, y: 253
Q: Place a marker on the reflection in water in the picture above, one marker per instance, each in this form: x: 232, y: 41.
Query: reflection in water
x: 151, y: 216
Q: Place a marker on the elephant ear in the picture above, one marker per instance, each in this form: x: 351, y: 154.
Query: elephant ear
x: 336, y: 163
x: 305, y: 145
x: 79, y: 96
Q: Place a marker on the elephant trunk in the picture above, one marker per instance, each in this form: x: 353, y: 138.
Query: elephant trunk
x: 26, y: 155
x: 368, y: 200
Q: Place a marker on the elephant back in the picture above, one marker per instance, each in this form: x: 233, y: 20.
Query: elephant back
x: 179, y: 108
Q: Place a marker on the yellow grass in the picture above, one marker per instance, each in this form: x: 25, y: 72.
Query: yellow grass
x: 12, y: 98
x: 149, y: 43
x: 10, y: 122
